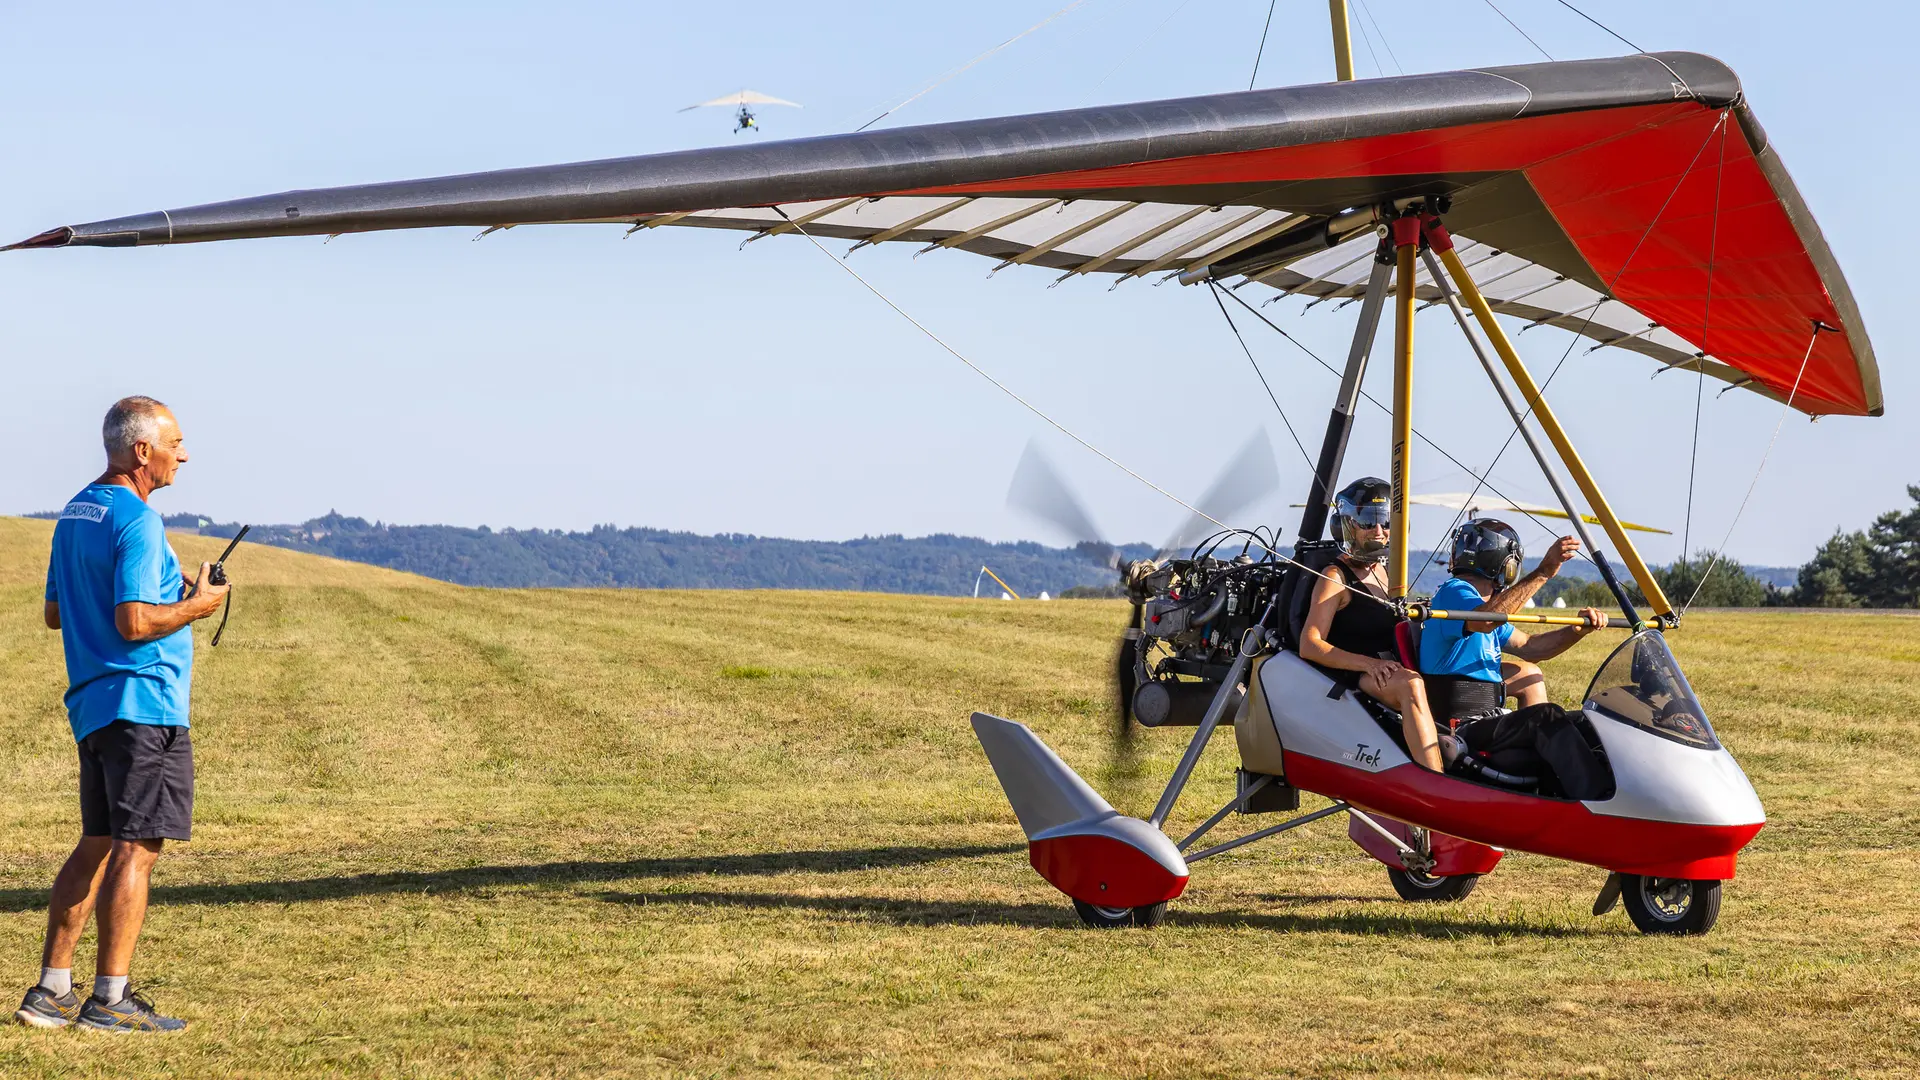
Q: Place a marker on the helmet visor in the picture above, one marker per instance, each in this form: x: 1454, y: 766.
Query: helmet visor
x: 1371, y: 515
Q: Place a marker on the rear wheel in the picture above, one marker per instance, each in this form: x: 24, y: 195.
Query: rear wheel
x: 1670, y: 905
x: 1416, y: 886
x: 1119, y: 918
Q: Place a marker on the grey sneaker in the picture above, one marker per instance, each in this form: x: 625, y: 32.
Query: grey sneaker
x: 131, y: 1013
x: 42, y: 1009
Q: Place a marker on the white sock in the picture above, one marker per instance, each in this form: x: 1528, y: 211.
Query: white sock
x: 110, y: 988
x: 58, y: 981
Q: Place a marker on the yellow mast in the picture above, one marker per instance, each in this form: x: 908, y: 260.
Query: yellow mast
x: 1342, y: 44
x: 1406, y: 240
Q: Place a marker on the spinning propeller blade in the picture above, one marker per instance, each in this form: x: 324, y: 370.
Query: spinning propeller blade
x: 1249, y: 477
x: 1038, y: 490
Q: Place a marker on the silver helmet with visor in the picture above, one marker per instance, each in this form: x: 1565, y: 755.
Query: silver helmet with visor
x: 1360, y: 510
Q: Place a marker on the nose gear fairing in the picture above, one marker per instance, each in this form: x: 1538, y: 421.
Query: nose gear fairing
x: 1075, y: 840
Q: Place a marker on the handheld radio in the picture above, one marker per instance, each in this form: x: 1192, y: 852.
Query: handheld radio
x: 217, y: 575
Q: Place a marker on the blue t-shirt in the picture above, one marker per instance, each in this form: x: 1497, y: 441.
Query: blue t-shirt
x: 110, y: 548
x: 1445, y: 646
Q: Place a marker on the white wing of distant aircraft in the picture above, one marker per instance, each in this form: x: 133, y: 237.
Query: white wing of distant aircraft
x: 743, y: 97
x: 1460, y: 500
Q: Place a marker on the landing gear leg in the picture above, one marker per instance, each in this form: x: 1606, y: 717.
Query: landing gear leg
x: 1609, y: 894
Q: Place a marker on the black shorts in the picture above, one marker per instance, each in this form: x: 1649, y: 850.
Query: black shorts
x: 136, y: 782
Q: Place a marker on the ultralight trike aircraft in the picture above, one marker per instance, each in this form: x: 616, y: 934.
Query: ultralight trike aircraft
x: 1634, y: 201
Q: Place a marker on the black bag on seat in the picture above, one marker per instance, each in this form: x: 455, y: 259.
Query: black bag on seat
x: 1537, y: 739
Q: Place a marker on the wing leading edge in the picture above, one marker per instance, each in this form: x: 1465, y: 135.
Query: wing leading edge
x: 1634, y: 200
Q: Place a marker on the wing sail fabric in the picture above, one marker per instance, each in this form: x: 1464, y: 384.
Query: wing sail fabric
x: 1633, y: 200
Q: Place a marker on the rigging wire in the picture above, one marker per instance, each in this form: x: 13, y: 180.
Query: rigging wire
x: 1262, y: 51
x: 1601, y: 25
x: 1693, y: 465
x: 1785, y: 408
x: 1517, y: 30
x: 1718, y: 127
x: 1055, y: 424
x: 1377, y: 69
x: 955, y: 73
x: 1308, y: 458
x: 1706, y: 328
x: 1384, y: 43
x: 1135, y: 51
x: 1378, y: 404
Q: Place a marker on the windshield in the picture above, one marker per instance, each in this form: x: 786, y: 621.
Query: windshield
x: 1641, y: 684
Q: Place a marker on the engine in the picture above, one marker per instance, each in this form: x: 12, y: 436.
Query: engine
x: 1193, y: 615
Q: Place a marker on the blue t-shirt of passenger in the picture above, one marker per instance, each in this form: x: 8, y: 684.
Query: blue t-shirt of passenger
x: 1445, y: 646
x: 110, y: 548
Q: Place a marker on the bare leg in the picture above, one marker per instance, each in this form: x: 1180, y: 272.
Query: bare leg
x: 1524, y: 681
x: 123, y: 902
x: 1407, y: 693
x: 74, y: 890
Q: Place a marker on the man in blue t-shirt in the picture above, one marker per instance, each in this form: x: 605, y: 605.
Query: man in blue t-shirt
x: 123, y: 609
x: 1473, y: 667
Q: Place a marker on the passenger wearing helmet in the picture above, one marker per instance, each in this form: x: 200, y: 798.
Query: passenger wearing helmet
x: 1350, y: 624
x: 1472, y: 668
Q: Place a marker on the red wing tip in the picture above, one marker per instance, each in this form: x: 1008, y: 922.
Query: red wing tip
x: 52, y: 238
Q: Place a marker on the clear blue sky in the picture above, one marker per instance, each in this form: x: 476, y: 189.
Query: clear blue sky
x: 560, y: 377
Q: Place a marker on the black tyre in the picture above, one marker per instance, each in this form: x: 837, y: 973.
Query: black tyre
x: 1119, y: 918
x: 1418, y: 887
x: 1670, y: 905
x: 1150, y: 916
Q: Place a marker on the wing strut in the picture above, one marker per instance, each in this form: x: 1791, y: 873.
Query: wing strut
x: 1526, y: 435
x: 1441, y: 242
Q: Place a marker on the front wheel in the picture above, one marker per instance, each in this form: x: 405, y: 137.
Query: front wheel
x: 1119, y: 918
x: 1670, y: 905
x: 1419, y: 887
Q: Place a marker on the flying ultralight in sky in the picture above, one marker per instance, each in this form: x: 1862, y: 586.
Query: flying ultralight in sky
x: 744, y: 100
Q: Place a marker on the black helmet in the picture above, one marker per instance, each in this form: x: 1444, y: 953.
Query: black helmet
x: 1367, y: 502
x: 1488, y: 548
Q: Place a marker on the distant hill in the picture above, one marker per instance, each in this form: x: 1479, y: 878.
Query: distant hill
x: 609, y: 557
x: 24, y: 544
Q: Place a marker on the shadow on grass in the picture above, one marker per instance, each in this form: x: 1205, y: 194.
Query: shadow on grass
x: 467, y: 878
x: 902, y: 912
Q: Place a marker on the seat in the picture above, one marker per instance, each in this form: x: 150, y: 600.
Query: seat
x: 1406, y: 637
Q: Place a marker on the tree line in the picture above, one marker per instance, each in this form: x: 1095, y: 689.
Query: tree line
x: 1875, y: 567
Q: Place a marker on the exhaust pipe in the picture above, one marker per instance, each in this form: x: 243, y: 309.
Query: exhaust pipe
x: 1079, y: 843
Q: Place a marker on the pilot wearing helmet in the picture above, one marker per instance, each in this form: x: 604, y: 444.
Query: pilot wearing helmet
x: 1474, y: 667
x: 1350, y: 622
x: 1470, y: 668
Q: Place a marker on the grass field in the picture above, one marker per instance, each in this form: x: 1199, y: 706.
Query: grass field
x: 446, y: 832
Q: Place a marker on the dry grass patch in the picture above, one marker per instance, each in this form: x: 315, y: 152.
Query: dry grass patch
x: 467, y: 833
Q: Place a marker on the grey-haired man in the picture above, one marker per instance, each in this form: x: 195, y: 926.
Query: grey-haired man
x: 124, y: 612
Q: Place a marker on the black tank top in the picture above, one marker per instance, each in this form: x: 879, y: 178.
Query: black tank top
x: 1363, y: 626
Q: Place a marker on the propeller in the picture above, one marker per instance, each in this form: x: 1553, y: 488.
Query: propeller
x: 1038, y: 490
x: 1248, y: 478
